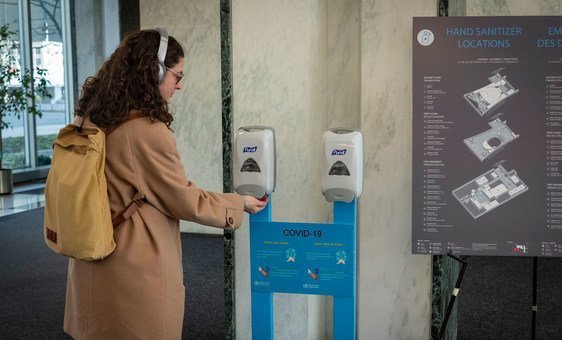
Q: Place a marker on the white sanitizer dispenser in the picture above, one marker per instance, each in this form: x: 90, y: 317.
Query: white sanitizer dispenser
x: 342, y: 173
x: 254, y: 161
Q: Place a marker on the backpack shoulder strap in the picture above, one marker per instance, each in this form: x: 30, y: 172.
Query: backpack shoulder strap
x: 137, y: 202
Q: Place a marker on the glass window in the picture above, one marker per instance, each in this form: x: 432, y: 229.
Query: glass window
x: 13, y: 136
x: 38, y: 44
x: 47, y: 45
x: 13, y: 144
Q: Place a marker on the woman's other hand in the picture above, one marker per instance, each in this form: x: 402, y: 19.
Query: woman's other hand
x: 253, y: 205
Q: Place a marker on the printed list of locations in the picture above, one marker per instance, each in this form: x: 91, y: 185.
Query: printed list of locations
x: 434, y: 142
x: 553, y: 106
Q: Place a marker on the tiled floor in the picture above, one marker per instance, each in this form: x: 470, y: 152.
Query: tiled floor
x: 23, y: 198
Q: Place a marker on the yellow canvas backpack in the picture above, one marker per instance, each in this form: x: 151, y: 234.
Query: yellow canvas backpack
x: 77, y: 221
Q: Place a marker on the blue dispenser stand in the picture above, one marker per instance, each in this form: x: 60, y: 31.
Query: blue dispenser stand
x: 345, y: 304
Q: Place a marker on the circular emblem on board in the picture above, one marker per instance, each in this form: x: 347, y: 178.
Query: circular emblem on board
x: 425, y: 37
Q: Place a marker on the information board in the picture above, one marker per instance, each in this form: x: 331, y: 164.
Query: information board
x: 487, y: 136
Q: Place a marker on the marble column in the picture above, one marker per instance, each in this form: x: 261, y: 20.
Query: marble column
x: 227, y: 136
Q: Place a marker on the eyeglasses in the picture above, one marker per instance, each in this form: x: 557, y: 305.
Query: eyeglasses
x: 178, y: 76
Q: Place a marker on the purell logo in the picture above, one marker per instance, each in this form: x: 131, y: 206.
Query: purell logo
x: 337, y: 152
x: 249, y: 149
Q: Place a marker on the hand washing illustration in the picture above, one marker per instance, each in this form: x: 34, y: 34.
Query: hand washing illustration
x: 291, y: 255
x: 341, y: 257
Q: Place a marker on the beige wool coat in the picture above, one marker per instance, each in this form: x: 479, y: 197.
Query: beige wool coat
x: 137, y: 292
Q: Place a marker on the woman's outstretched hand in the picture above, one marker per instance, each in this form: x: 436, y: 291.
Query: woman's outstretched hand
x: 253, y: 205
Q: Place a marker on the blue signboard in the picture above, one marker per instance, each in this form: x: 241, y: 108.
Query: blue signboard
x: 303, y: 258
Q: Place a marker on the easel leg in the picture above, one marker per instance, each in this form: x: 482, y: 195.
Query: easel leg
x: 534, y: 306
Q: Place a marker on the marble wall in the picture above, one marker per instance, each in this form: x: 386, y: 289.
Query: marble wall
x: 94, y: 39
x: 394, y: 285
x: 197, y: 106
x: 343, y: 64
x: 349, y: 65
x: 507, y: 7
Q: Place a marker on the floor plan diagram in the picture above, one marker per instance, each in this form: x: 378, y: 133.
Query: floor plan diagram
x: 488, y: 142
x: 489, y: 97
x: 489, y: 191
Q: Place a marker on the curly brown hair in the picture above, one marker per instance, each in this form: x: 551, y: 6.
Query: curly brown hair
x: 128, y: 81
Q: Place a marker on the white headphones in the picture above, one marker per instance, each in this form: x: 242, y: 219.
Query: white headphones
x: 162, y: 53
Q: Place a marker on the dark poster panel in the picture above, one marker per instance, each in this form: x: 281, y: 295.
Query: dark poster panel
x: 487, y: 136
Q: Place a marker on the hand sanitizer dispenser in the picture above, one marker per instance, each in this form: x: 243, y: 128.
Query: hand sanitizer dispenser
x: 254, y: 161
x: 342, y: 173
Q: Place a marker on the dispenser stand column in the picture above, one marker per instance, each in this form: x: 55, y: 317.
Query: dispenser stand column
x: 345, y: 307
x: 262, y: 302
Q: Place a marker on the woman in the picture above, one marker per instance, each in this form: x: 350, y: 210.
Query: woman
x: 138, y: 291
